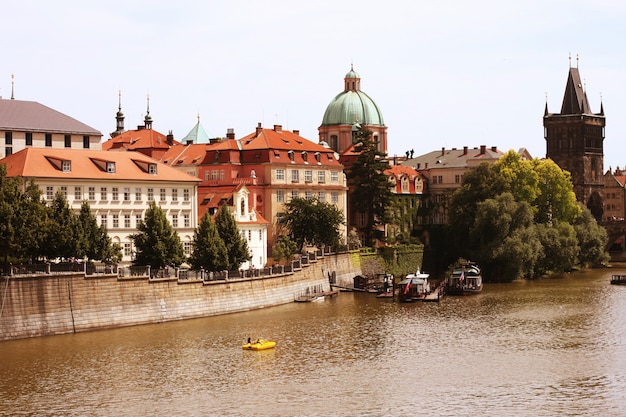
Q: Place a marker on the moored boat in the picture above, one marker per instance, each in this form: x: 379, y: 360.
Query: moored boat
x: 259, y: 344
x: 414, y: 287
x: 465, y: 279
x: 618, y: 280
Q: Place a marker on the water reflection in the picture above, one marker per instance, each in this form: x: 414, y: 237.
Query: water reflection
x: 546, y: 347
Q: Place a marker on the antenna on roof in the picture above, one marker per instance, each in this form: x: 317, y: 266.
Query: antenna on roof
x: 12, y: 87
x: 576, y: 60
x: 570, y: 60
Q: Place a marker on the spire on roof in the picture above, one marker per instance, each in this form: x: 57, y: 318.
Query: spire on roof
x: 601, y: 106
x: 119, y: 118
x: 148, y: 119
x: 12, y: 87
x: 575, y: 99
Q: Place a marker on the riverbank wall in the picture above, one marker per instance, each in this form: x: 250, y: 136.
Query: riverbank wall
x: 51, y: 304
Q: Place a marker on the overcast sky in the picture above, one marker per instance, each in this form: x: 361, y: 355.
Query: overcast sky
x: 444, y: 73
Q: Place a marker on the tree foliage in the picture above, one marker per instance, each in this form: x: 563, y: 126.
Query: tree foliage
x: 209, y: 251
x: 520, y: 218
x: 312, y: 222
x: 370, y: 189
x: 236, y: 246
x: 284, y: 248
x: 156, y: 242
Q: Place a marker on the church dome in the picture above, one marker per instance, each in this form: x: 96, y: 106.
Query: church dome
x: 352, y: 106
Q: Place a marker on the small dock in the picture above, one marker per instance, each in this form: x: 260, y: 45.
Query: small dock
x: 436, y: 295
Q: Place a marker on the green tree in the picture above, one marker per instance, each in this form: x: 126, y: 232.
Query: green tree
x: 63, y: 230
x: 592, y: 239
x: 559, y: 247
x: 236, y: 245
x: 209, y: 251
x: 156, y: 242
x: 310, y: 221
x: 370, y: 189
x: 9, y: 195
x: 284, y: 248
x: 96, y: 243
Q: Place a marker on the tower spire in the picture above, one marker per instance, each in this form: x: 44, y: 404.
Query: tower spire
x: 12, y: 87
x: 119, y: 117
x: 148, y: 119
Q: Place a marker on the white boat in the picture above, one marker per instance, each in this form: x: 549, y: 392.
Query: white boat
x: 465, y: 279
x: 414, y: 287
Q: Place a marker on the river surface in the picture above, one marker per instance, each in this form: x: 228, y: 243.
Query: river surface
x: 550, y: 347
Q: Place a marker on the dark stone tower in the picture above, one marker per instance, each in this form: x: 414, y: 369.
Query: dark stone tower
x: 575, y: 140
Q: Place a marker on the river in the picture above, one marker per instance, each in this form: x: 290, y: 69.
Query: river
x: 549, y: 347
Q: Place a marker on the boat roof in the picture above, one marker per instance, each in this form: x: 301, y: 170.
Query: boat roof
x: 412, y: 280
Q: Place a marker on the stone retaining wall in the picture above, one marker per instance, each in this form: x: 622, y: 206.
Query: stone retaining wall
x: 39, y: 305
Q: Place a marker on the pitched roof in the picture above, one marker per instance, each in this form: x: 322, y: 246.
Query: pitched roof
x: 197, y: 135
x: 19, y: 115
x: 575, y: 99
x: 454, y: 158
x: 138, y: 139
x: 89, y: 164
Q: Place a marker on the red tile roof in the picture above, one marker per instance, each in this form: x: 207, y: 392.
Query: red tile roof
x: 89, y: 164
x: 138, y: 139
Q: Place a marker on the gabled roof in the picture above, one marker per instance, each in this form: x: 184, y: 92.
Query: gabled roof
x: 454, y: 158
x: 89, y: 164
x: 400, y: 170
x: 30, y: 116
x: 132, y: 140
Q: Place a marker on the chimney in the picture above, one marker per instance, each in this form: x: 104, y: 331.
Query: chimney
x: 418, y: 165
x: 494, y: 149
x: 443, y: 151
x: 296, y: 132
x: 230, y: 133
x: 278, y: 128
x: 483, y: 149
x: 464, y: 150
x: 259, y: 129
x: 425, y: 165
x: 189, y: 142
x: 170, y: 138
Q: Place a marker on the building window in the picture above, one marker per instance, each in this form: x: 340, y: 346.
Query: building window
x: 294, y: 175
x: 294, y: 194
x: 280, y: 174
x: 49, y: 193
x: 137, y: 220
x: 8, y: 138
x: 334, y: 197
x: 162, y: 194
x: 249, y: 235
x: 150, y: 194
x: 104, y: 220
x: 174, y: 194
x: 111, y: 167
x: 127, y: 249
x: 206, y: 175
x: 280, y: 196
x: 78, y: 193
x: 127, y: 221
x: 308, y: 195
x: 48, y: 142
x: 214, y: 174
x: 66, y: 166
x: 115, y: 194
x: 291, y: 155
x: 174, y: 220
x: 186, y: 195
x: 92, y: 193
x: 138, y: 194
x: 8, y: 151
x: 308, y: 176
x: 64, y: 191
x: 116, y: 221
x: 405, y: 184
x: 85, y: 142
x: 457, y: 179
x: 321, y: 176
x: 126, y: 194
x: 334, y: 176
x: 103, y: 194
x: 68, y: 141
x: 29, y: 139
x: 260, y: 235
x: 187, y: 247
x: 152, y: 169
x: 186, y: 220
x: 321, y: 197
x: 222, y: 175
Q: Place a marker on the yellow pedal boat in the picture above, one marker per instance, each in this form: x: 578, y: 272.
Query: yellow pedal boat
x: 259, y: 344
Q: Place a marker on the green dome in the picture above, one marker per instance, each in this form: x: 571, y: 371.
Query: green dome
x: 350, y: 107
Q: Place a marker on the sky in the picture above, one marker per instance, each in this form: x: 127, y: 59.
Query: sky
x: 444, y: 73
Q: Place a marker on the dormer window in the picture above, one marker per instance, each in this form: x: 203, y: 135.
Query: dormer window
x: 152, y: 169
x: 305, y: 156
x: 111, y: 167
x: 291, y: 156
x: 318, y: 156
x: 66, y: 166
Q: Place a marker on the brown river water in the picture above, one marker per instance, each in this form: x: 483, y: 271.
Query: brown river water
x: 550, y: 347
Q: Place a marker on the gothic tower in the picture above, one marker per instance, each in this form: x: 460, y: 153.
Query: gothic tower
x: 574, y: 141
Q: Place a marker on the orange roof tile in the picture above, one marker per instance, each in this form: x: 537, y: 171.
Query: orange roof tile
x: 89, y: 164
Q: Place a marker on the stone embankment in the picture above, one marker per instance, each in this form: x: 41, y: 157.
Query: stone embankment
x: 47, y: 304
